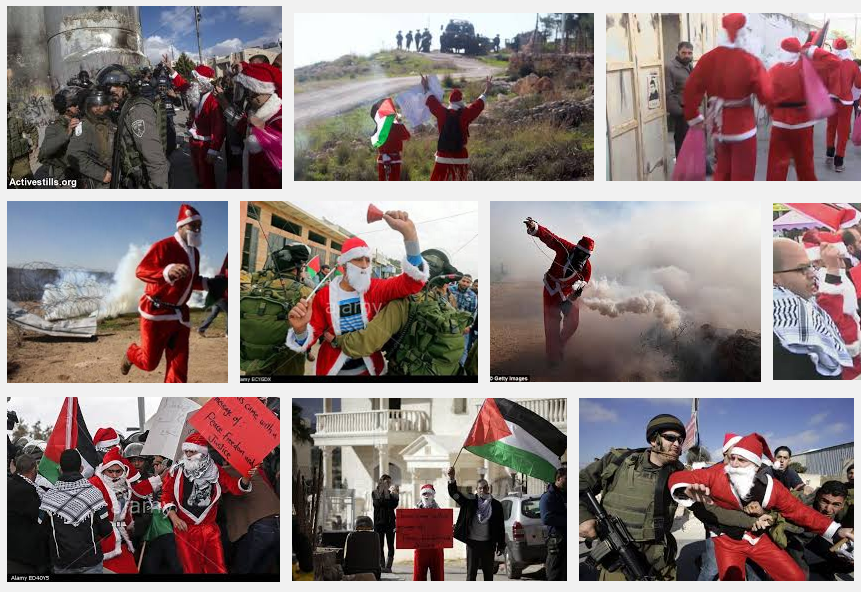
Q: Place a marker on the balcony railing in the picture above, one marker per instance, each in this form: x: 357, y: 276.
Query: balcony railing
x: 372, y: 422
x: 554, y: 410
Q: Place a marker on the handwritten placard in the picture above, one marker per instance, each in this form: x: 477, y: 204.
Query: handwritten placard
x: 241, y: 429
x: 168, y: 428
x: 424, y: 529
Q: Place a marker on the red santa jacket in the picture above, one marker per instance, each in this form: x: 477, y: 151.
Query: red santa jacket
x: 842, y: 80
x: 776, y: 497
x: 730, y: 75
x: 120, y: 517
x: 789, y: 107
x: 164, y: 300
x: 394, y: 144
x: 560, y: 281
x: 468, y: 114
x: 326, y: 316
x: 257, y: 170
x: 206, y: 122
x: 173, y: 490
x: 840, y: 301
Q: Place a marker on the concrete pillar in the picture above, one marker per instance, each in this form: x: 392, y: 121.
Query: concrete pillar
x: 28, y: 82
x: 414, y: 477
x: 383, y: 451
x: 326, y: 452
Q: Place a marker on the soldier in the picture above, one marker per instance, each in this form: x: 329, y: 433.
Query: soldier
x: 91, y: 145
x: 139, y: 160
x: 400, y: 39
x: 496, y: 43
x: 166, y: 94
x: 418, y: 39
x: 426, y: 41
x: 21, y: 138
x: 633, y: 485
x: 409, y: 39
x: 52, y: 152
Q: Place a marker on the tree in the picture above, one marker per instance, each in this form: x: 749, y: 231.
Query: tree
x: 585, y: 32
x: 184, y: 66
x: 301, y: 429
x: 34, y: 432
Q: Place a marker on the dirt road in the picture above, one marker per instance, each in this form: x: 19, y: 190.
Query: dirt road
x: 48, y: 359
x: 312, y: 105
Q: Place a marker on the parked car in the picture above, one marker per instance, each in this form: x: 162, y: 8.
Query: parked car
x: 525, y: 535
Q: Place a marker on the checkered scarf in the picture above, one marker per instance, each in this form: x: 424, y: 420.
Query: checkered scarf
x: 73, y: 501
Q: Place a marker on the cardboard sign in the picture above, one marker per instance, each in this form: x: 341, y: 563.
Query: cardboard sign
x: 169, y: 428
x: 424, y: 529
x: 241, y: 429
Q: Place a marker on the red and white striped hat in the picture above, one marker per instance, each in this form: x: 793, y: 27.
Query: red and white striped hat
x: 428, y: 487
x: 353, y: 248
x: 813, y: 242
x: 105, y: 439
x: 187, y: 215
x: 752, y: 447
x: 196, y: 443
x: 730, y: 440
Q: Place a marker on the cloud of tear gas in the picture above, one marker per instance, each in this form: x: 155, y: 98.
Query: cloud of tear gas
x: 612, y: 300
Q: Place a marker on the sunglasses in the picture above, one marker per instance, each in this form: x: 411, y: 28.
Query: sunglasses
x: 672, y: 439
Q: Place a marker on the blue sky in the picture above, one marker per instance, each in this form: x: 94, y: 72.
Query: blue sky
x: 801, y: 424
x: 223, y: 29
x: 96, y: 234
x: 313, y: 406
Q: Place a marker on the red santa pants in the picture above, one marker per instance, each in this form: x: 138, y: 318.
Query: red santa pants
x: 428, y: 559
x: 558, y: 327
x: 205, y: 172
x: 736, y: 161
x: 786, y: 145
x: 394, y: 173
x: 162, y: 337
x: 731, y: 555
x: 449, y: 172
x: 199, y: 549
x: 837, y: 133
x: 124, y: 563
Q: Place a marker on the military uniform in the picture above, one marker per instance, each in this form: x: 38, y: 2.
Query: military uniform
x: 52, y: 152
x: 141, y: 155
x: 21, y: 136
x: 629, y: 482
x: 90, y: 148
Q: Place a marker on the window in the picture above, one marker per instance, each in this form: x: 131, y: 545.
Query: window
x: 459, y: 406
x: 530, y: 508
x: 336, y: 246
x: 253, y: 212
x: 285, y: 225
x: 316, y: 238
x: 249, y: 249
x: 506, y: 509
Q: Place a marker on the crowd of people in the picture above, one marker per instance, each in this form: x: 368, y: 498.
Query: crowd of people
x: 141, y: 514
x: 759, y: 516
x: 816, y: 305
x: 421, y: 39
x: 731, y: 76
x: 118, y: 130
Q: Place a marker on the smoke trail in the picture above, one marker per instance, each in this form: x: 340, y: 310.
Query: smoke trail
x: 611, y: 299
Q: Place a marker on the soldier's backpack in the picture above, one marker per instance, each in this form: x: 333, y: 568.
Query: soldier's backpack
x: 263, y: 326
x: 431, y: 341
x: 451, y: 137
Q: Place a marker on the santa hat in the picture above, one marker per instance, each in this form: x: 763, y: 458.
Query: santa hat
x: 204, y: 74
x: 195, y: 443
x: 729, y: 440
x: 353, y: 248
x: 429, y: 488
x: 586, y: 244
x: 791, y: 44
x: 733, y: 23
x: 456, y: 99
x: 840, y: 43
x: 752, y: 447
x: 263, y: 79
x: 841, y: 49
x: 814, y: 241
x: 187, y: 215
x: 113, y: 457
x: 105, y: 438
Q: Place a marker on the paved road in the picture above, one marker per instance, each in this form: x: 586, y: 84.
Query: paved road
x: 318, y: 104
x: 455, y: 571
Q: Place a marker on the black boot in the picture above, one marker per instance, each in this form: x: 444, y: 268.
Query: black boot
x: 838, y: 164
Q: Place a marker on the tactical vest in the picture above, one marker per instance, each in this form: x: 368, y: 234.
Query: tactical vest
x: 630, y: 494
x: 263, y: 326
x: 134, y: 174
x: 431, y: 341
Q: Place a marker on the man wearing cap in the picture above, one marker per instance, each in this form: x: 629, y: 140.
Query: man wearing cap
x: 171, y: 271
x: 843, y: 85
x: 730, y: 76
x: 349, y: 302
x: 633, y: 486
x: 569, y: 273
x: 734, y: 486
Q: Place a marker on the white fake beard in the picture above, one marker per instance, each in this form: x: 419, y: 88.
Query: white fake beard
x: 117, y: 485
x: 359, y: 278
x: 193, y: 95
x: 194, y: 239
x: 741, y: 479
x: 192, y: 464
x: 427, y: 501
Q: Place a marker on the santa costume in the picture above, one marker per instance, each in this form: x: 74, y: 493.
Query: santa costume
x: 843, y: 85
x: 792, y: 125
x: 389, y: 157
x: 258, y: 169
x: 428, y: 559
x: 451, y: 162
x: 337, y: 311
x: 205, y: 124
x: 563, y: 284
x: 164, y: 323
x: 734, y: 546
x: 106, y: 440
x: 192, y: 489
x: 730, y: 77
x: 117, y: 546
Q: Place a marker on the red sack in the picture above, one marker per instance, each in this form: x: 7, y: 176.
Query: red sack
x: 856, y: 131
x: 819, y: 104
x: 691, y: 162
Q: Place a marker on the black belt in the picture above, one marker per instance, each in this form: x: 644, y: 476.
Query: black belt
x: 792, y: 105
x: 159, y: 304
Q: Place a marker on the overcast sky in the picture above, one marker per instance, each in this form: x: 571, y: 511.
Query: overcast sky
x: 455, y: 235
x: 119, y: 413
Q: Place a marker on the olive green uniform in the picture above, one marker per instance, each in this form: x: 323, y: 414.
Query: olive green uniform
x: 90, y: 148
x: 21, y: 137
x: 141, y: 147
x: 628, y: 492
x: 52, y: 152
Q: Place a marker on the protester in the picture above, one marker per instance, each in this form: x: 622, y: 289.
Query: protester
x: 428, y: 559
x: 111, y: 480
x: 554, y: 515
x: 676, y: 73
x: 27, y: 545
x: 480, y: 526
x: 782, y: 472
x: 389, y: 141
x: 841, y: 85
x: 159, y: 555
x: 385, y: 499
x: 829, y: 500
x: 261, y: 126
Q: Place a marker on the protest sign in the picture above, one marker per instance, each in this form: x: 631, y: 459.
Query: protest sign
x: 169, y: 427
x: 241, y: 429
x: 424, y: 529
x: 412, y: 105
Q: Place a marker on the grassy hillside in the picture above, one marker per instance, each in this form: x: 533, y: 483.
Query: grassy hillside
x: 385, y: 63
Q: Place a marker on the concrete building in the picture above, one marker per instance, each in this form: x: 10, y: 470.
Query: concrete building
x: 414, y: 441
x: 221, y: 64
x: 822, y: 464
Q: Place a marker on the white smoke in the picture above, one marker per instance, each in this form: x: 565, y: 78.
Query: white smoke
x: 612, y: 299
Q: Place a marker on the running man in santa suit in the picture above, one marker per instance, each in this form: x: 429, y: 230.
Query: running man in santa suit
x: 190, y: 495
x: 171, y: 271
x: 842, y: 83
x: 733, y: 486
x: 730, y: 77
x: 569, y: 273
x: 451, y: 162
x: 349, y: 302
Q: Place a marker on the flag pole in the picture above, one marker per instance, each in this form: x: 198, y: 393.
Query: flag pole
x: 457, y: 457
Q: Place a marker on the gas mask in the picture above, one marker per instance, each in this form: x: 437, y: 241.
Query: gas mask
x: 577, y: 260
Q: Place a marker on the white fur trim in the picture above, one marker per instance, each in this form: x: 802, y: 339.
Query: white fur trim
x: 189, y: 252
x: 418, y: 274
x: 242, y: 488
x: 457, y: 105
x: 684, y: 502
x: 102, y: 467
x: 768, y: 489
x: 194, y: 447
x: 188, y: 220
x: 448, y: 160
x: 793, y: 126
x: 750, y: 539
x: 188, y: 516
x: 269, y: 109
x: 166, y: 273
x: 736, y: 137
x: 354, y: 253
x: 811, y: 51
x: 530, y: 232
x: 746, y: 454
x: 300, y: 347
x: 732, y: 442
x: 696, y: 119
x: 256, y: 86
x: 107, y: 444
x: 831, y: 531
x: 812, y: 253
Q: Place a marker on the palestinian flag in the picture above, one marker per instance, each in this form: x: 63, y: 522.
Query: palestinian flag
x: 70, y: 431
x: 313, y: 267
x: 512, y: 436
x: 385, y: 119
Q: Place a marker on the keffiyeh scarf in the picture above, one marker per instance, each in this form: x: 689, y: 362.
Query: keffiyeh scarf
x: 73, y: 501
x: 202, y: 481
x: 485, y: 509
